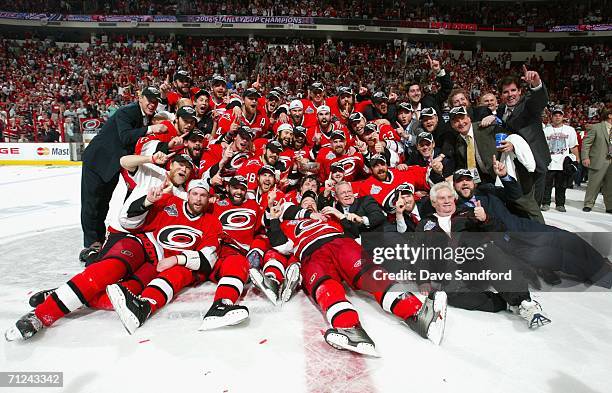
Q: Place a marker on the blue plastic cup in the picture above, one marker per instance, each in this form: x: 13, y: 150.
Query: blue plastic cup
x: 499, y: 138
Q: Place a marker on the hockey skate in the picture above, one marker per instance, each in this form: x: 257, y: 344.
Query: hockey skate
x: 132, y: 310
x: 26, y: 327
x: 40, y: 296
x: 429, y: 322
x: 531, y: 311
x: 292, y: 280
x: 223, y: 313
x: 266, y: 284
x: 354, y: 339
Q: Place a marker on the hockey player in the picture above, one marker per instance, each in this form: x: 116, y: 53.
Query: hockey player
x: 352, y: 162
x: 328, y: 257
x: 249, y: 116
x: 186, y: 241
x: 319, y: 135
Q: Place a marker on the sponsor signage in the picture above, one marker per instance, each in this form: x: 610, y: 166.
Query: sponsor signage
x: 34, y: 152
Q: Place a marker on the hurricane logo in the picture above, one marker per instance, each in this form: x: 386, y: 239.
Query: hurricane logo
x: 238, y: 160
x: 238, y: 219
x: 178, y: 237
x: 388, y: 203
x: 92, y: 124
x: 286, y: 160
x: 306, y: 225
x: 348, y: 163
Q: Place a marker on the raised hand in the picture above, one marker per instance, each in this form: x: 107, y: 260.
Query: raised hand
x: 531, y: 77
x: 436, y: 164
x: 400, y: 206
x: 499, y: 168
x: 161, y: 158
x: 165, y: 87
x: 155, y: 194
x: 256, y: 84
x: 177, y: 142
x: 434, y: 64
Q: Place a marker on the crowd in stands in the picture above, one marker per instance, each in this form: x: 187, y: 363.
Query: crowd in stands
x: 41, y: 82
x: 522, y: 14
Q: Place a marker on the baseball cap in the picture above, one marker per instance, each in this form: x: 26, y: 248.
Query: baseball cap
x: 309, y: 194
x: 284, y: 127
x: 198, y: 183
x: 456, y: 111
x: 251, y: 91
x: 246, y: 132
x: 459, y: 173
x: 238, y: 181
x: 345, y: 90
x: 273, y: 95
x: 196, y: 132
x: 557, y: 109
x: 186, y: 112
x: 405, y: 188
x: 316, y: 86
x: 337, y: 135
x: 184, y: 158
x: 218, y: 79
x: 151, y: 92
x: 299, y: 130
x: 425, y: 136
x: 428, y: 112
x: 266, y: 168
x: 201, y: 92
x: 323, y: 108
x: 275, y: 146
x: 378, y: 158
x: 182, y: 75
x: 356, y: 116
x: 406, y: 106
x: 370, y: 128
x: 379, y: 96
x: 296, y: 104
x: 336, y: 167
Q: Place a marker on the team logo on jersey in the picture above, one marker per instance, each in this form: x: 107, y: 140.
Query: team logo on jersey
x: 304, y: 225
x: 388, y: 203
x: 238, y: 160
x: 178, y: 237
x: 171, y: 210
x: 357, y: 263
x: 238, y: 219
x: 309, y: 110
x: 429, y: 225
x: 285, y: 160
x: 348, y: 164
x: 222, y: 202
x: 375, y: 189
x: 127, y: 253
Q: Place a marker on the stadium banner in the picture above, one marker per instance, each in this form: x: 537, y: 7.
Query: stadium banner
x: 573, y: 28
x: 250, y: 19
x: 90, y: 127
x: 120, y: 18
x: 34, y: 153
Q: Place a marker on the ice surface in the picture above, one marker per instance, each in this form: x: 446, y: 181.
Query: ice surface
x: 279, y: 349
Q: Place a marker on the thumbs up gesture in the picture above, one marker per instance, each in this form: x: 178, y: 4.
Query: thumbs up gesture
x: 436, y: 164
x: 479, y: 212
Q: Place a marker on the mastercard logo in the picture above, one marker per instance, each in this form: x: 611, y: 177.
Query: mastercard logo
x: 42, y: 151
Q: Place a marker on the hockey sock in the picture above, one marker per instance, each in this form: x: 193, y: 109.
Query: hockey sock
x: 331, y: 297
x: 401, y: 303
x: 162, y: 289
x: 233, y: 272
x: 275, y: 269
x: 80, y: 290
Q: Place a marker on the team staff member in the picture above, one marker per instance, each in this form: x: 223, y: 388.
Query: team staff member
x: 101, y: 166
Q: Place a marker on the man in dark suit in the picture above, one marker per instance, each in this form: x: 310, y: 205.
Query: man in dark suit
x: 408, y: 211
x: 101, y: 166
x: 474, y: 146
x: 522, y: 114
x: 356, y: 215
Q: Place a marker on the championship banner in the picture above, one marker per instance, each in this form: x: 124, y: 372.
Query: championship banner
x: 249, y: 19
x: 34, y: 153
x: 90, y: 127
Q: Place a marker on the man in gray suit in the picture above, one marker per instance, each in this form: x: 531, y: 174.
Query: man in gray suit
x: 597, y: 156
x: 522, y: 114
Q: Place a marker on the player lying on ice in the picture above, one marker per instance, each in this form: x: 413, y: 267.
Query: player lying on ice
x: 328, y: 257
x: 186, y: 242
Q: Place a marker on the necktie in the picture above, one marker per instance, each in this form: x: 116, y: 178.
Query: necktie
x: 508, y: 113
x: 471, y: 153
x: 610, y: 143
x: 414, y: 218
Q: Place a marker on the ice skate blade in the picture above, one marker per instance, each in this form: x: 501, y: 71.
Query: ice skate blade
x: 292, y: 275
x: 340, y: 342
x: 538, y: 321
x: 257, y: 279
x: 231, y: 318
x: 435, y: 331
x: 117, y: 299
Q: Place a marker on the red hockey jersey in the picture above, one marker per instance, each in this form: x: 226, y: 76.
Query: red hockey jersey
x: 384, y: 191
